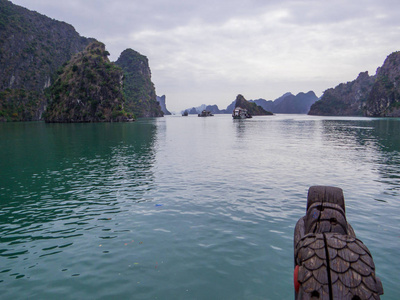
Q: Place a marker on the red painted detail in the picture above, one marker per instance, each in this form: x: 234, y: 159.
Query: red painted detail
x: 295, y: 275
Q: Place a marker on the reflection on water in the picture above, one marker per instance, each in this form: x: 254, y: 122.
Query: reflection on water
x: 240, y: 125
x: 59, y: 182
x: 387, y: 133
x: 185, y: 208
x: 376, y: 140
x: 388, y: 142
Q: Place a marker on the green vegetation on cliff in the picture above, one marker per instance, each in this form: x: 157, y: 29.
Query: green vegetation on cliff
x: 371, y: 96
x: 384, y: 99
x: 32, y: 48
x: 21, y: 105
x: 88, y: 89
x: 346, y: 99
x: 252, y: 108
x: 139, y: 91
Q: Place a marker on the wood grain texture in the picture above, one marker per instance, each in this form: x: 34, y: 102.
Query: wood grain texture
x: 333, y: 263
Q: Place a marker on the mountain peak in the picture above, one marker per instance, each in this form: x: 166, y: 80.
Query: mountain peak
x: 139, y: 90
x: 88, y: 89
x: 252, y: 108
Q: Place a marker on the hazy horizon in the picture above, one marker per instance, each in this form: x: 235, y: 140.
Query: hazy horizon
x: 209, y: 52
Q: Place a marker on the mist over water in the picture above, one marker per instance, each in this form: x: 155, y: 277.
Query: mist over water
x: 186, y: 207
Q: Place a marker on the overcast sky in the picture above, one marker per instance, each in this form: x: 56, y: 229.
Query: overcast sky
x: 208, y: 51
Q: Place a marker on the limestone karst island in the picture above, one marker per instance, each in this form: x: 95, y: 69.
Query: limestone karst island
x: 49, y: 72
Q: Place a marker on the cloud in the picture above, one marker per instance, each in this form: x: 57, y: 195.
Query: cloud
x: 209, y: 51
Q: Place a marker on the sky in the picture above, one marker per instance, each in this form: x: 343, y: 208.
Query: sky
x: 209, y: 51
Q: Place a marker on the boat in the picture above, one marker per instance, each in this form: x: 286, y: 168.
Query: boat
x: 185, y: 114
x: 205, y: 113
x: 330, y: 261
x: 240, y: 113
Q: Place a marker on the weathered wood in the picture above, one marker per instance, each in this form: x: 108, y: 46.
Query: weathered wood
x: 318, y: 244
x: 339, y: 265
x: 361, y: 268
x: 320, y: 194
x: 321, y: 253
x: 335, y: 243
x: 356, y: 249
x: 321, y: 275
x: 326, y: 217
x: 348, y: 255
x: 333, y: 263
x: 304, y: 274
x: 313, y: 263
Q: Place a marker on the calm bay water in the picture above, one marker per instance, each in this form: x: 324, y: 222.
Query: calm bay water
x: 186, y: 207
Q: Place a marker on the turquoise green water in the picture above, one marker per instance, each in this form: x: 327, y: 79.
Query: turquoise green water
x: 186, y: 207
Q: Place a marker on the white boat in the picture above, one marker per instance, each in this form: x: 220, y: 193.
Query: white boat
x: 240, y: 113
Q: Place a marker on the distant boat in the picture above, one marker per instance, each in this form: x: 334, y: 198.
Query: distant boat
x: 205, y: 113
x: 240, y: 113
x: 185, y: 114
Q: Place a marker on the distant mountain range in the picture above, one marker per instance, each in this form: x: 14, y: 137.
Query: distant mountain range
x: 289, y: 103
x: 286, y: 104
x: 40, y: 58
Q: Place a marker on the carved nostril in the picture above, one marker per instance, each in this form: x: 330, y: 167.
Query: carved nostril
x: 333, y: 221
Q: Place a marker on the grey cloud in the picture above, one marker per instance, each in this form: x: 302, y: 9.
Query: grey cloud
x: 262, y: 48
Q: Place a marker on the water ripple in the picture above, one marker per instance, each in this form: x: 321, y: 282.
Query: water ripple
x: 205, y: 206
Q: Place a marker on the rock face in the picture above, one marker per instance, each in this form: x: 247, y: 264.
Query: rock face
x: 88, y: 89
x: 164, y: 109
x: 229, y: 109
x: 32, y: 48
x: 384, y: 98
x: 346, y: 99
x: 289, y: 103
x: 371, y: 96
x: 252, y: 108
x: 139, y: 91
x: 21, y: 105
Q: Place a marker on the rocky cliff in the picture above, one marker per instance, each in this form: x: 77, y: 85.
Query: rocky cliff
x: 32, y: 48
x: 139, y: 91
x: 372, y: 96
x: 252, y: 108
x: 384, y: 98
x: 346, y: 99
x: 88, y: 89
x: 163, y: 105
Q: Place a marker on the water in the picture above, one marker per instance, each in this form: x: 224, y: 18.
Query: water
x: 186, y: 207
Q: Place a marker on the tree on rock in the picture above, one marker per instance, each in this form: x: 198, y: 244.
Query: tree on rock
x: 139, y: 91
x: 88, y: 89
